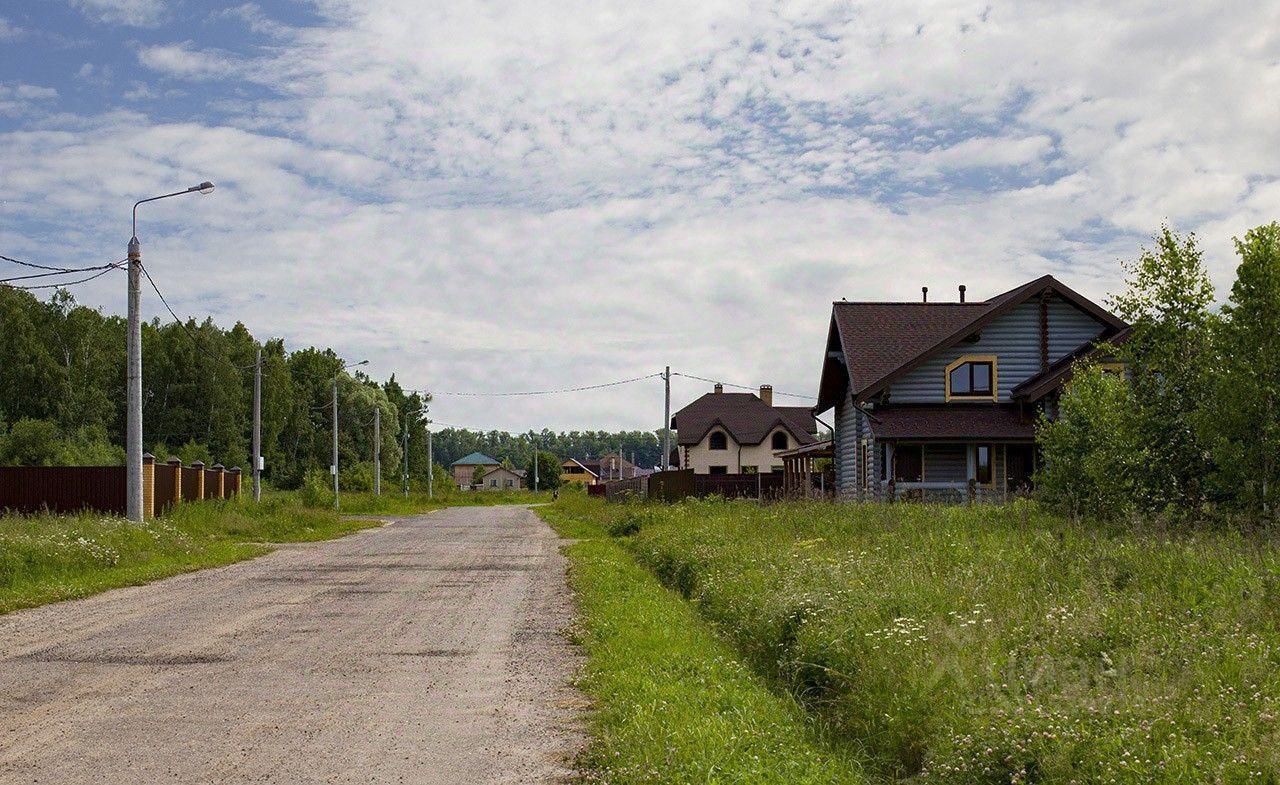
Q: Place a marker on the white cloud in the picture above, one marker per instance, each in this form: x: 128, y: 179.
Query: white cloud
x: 532, y: 195
x: 135, y: 13
x: 9, y: 31
x: 186, y: 61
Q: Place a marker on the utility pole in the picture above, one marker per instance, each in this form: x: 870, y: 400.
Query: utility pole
x: 334, y: 467
x: 133, y: 433
x: 431, y: 465
x: 535, y: 464
x: 404, y: 473
x: 666, y: 422
x: 133, y: 365
x: 257, y: 428
x: 377, y: 450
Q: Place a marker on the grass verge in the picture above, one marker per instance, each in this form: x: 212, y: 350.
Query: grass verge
x: 672, y: 703
x: 991, y: 644
x: 48, y: 558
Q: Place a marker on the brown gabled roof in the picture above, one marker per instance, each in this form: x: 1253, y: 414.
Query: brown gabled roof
x: 879, y: 342
x: 952, y: 422
x: 744, y: 416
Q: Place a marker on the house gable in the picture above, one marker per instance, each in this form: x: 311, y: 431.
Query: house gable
x: 1011, y: 341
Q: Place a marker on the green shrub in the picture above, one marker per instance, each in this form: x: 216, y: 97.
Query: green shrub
x: 317, y: 489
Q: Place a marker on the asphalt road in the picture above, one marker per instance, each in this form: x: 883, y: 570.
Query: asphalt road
x: 426, y: 651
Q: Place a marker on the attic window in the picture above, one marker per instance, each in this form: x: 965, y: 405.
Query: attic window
x: 718, y: 441
x: 972, y: 378
x: 780, y: 441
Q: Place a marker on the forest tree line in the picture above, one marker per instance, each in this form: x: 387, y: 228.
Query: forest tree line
x: 62, y: 401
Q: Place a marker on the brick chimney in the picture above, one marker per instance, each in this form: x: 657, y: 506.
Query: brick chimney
x: 766, y: 394
x: 719, y: 388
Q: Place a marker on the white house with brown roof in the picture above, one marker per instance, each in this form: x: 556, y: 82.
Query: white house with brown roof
x: 739, y: 433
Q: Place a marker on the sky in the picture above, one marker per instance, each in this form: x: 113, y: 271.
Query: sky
x: 498, y: 197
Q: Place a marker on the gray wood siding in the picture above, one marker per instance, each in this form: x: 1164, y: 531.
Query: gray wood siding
x: 946, y: 463
x: 1014, y: 339
x: 846, y: 447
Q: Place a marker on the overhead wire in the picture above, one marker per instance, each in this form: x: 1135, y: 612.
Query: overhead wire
x: 555, y: 391
x: 187, y: 330
x: 53, y: 268
x: 103, y: 270
x: 739, y: 386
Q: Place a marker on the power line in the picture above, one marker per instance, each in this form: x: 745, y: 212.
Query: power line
x: 739, y: 386
x: 54, y: 269
x: 538, y: 392
x: 194, y: 340
x: 102, y: 271
x: 59, y: 272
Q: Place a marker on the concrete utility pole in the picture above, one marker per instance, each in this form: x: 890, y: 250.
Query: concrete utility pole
x: 404, y: 473
x: 133, y: 366
x: 666, y: 422
x: 334, y: 466
x: 535, y: 464
x: 431, y: 465
x: 257, y: 428
x: 377, y: 450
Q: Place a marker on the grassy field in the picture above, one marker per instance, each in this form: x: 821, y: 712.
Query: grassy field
x: 46, y: 558
x: 671, y: 701
x: 989, y: 644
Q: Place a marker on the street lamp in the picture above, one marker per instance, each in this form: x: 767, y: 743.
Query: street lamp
x: 133, y: 410
x: 334, y: 468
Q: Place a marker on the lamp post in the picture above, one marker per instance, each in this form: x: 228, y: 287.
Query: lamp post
x: 334, y: 467
x: 133, y: 342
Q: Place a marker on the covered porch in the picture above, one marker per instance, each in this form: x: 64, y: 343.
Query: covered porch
x: 804, y: 473
x: 953, y: 453
x: 956, y: 471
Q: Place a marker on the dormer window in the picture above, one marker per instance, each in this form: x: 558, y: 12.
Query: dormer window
x: 718, y: 441
x: 972, y: 378
x: 780, y: 441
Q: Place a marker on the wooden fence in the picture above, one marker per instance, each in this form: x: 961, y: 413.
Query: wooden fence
x: 70, y: 489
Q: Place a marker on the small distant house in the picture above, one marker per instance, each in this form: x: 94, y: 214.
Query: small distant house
x: 739, y: 433
x: 500, y: 478
x: 573, y: 471
x: 612, y: 466
x: 464, y: 469
x: 944, y: 396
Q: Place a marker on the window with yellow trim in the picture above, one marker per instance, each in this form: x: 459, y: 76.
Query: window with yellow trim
x: 972, y: 377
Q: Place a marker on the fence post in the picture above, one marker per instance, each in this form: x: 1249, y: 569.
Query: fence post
x: 199, y: 480
x: 148, y: 485
x: 973, y: 491
x: 235, y: 482
x: 219, y: 482
x: 176, y: 463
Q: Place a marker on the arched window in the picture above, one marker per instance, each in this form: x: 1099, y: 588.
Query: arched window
x: 718, y: 441
x: 780, y: 441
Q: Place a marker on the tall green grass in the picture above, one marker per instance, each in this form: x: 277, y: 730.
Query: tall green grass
x: 989, y: 644
x: 46, y: 558
x: 671, y: 701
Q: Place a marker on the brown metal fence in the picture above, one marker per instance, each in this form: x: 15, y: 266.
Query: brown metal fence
x: 62, y: 489
x: 191, y: 482
x: 70, y: 489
